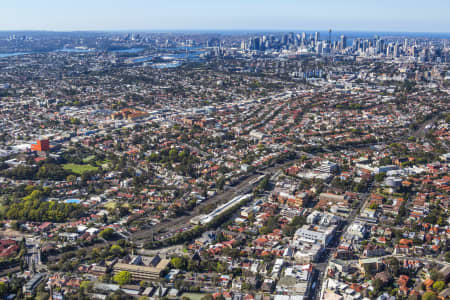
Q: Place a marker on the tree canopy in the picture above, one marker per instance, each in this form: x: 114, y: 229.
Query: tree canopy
x: 123, y: 277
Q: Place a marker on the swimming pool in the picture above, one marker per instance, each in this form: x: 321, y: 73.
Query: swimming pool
x: 76, y: 201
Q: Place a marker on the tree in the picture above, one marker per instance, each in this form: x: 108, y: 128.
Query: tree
x: 3, y: 289
x: 385, y: 161
x: 439, y: 285
x: 178, y: 262
x: 71, y: 178
x: 377, y: 285
x: 297, y: 222
x: 107, y: 234
x: 436, y: 275
x: 173, y: 154
x: 123, y: 277
x: 264, y: 184
x: 373, y: 206
x: 414, y: 297
x: 380, y: 176
x: 86, y: 285
x: 429, y: 296
x: 15, y: 225
x: 51, y: 171
x: 42, y: 295
x: 447, y: 256
x: 220, y: 268
x: 394, y: 265
x: 75, y: 121
x: 35, y: 195
x: 220, y: 183
x: 116, y: 250
x: 31, y: 209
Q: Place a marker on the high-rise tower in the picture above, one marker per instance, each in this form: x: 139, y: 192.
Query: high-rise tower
x: 343, y: 41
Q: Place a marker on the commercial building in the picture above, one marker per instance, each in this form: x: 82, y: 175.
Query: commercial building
x: 142, y: 268
x: 315, y: 234
x: 30, y: 287
x: 41, y: 145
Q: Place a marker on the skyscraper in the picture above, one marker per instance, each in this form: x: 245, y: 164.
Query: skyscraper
x: 355, y: 45
x: 243, y: 45
x: 343, y: 41
x: 395, y: 52
x: 257, y: 43
x: 319, y: 48
x: 316, y: 37
x: 405, y: 47
x: 378, y: 46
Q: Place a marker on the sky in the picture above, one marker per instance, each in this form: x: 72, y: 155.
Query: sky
x: 360, y: 15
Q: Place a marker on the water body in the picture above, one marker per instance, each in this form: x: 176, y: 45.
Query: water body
x: 12, y: 54
x: 77, y: 50
x: 184, y: 55
x: 168, y: 65
x: 74, y: 50
x: 71, y: 50
x: 193, y: 56
x: 142, y: 59
x: 131, y: 50
x: 173, y: 59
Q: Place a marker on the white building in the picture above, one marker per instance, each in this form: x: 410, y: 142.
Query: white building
x: 358, y: 229
x: 313, y: 234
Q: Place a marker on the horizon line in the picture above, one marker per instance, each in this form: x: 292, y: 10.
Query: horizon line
x: 217, y: 30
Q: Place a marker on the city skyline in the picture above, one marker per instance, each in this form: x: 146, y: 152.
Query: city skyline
x: 401, y: 16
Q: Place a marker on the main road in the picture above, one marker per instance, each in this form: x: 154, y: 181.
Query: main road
x: 322, y: 266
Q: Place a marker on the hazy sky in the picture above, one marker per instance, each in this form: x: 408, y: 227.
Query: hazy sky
x: 376, y: 15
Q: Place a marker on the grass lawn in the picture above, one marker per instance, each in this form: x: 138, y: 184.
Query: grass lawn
x: 88, y: 159
x: 2, y: 209
x: 102, y: 162
x: 79, y: 169
x: 111, y: 204
x: 105, y: 164
x: 193, y: 296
